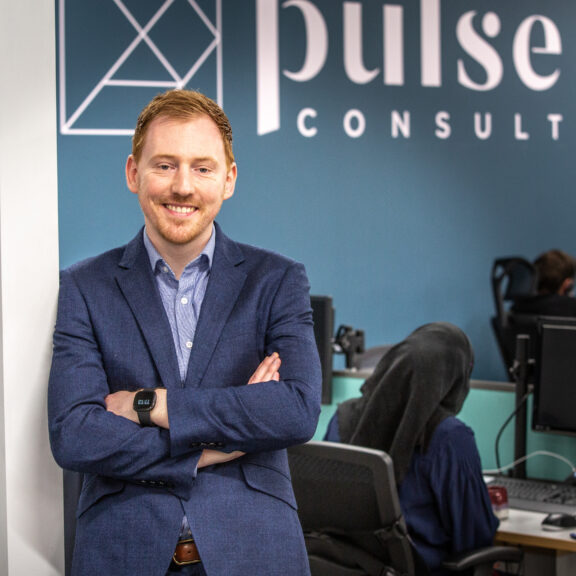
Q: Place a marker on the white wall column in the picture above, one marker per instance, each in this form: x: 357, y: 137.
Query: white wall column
x: 31, y: 522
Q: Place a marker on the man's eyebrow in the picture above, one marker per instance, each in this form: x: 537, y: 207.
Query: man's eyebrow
x: 205, y: 160
x: 174, y: 157
x: 158, y: 157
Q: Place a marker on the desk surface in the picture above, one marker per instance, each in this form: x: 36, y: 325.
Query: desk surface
x: 522, y: 528
x: 497, y: 385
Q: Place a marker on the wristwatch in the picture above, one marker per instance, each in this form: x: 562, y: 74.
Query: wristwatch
x: 144, y: 402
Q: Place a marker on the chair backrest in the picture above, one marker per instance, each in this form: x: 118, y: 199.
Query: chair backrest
x: 72, y: 487
x: 347, y: 499
x: 512, y: 278
x: 506, y: 336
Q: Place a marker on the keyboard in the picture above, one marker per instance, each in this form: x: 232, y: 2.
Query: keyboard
x: 538, y: 495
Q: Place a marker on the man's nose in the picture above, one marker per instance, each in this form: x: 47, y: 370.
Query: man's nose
x: 183, y: 182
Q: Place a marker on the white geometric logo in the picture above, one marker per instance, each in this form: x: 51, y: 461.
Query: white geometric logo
x: 142, y: 36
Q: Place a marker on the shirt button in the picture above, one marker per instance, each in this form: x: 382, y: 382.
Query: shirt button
x: 188, y: 344
x: 184, y: 300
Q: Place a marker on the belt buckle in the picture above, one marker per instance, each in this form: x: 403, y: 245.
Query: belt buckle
x: 184, y: 562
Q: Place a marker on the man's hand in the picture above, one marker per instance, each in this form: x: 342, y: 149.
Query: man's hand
x: 211, y: 457
x: 269, y: 369
x: 120, y: 403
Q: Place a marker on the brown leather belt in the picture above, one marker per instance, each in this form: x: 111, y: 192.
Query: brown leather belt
x: 186, y: 553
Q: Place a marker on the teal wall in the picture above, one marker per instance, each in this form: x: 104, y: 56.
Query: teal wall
x: 396, y: 148
x: 484, y: 411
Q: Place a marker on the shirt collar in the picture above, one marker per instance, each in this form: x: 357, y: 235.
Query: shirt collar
x: 156, y: 259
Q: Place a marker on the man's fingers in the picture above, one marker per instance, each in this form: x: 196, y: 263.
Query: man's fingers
x: 211, y: 457
x: 267, y: 370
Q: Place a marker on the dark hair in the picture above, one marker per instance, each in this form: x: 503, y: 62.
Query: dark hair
x: 183, y: 104
x: 553, y: 268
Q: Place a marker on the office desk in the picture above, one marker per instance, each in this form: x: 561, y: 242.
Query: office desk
x: 547, y: 553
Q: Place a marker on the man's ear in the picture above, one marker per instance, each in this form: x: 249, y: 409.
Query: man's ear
x: 132, y: 174
x: 230, y: 181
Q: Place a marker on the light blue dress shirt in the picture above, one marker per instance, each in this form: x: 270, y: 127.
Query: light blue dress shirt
x: 182, y: 298
x: 182, y: 301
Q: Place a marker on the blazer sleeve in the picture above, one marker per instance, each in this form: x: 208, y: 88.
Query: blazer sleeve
x: 83, y: 435
x: 263, y: 416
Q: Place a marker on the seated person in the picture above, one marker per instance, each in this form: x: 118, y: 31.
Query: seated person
x: 408, y: 408
x: 556, y: 272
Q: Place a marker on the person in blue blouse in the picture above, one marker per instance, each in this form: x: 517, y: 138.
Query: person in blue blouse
x: 408, y: 408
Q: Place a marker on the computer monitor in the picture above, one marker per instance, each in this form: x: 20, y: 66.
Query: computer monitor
x: 323, y: 313
x: 554, y: 408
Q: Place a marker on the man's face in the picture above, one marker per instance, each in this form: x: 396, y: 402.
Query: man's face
x: 181, y: 180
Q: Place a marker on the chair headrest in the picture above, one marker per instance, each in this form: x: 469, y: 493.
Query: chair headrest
x: 519, y: 275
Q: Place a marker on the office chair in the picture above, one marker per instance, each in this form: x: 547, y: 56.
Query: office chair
x: 512, y: 278
x: 72, y: 483
x: 352, y: 520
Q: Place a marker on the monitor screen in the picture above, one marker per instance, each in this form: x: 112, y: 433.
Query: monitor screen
x: 555, y: 379
x: 323, y: 313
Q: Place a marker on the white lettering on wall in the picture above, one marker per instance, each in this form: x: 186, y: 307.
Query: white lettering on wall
x: 393, y: 45
x: 444, y: 129
x: 316, y: 41
x: 555, y: 120
x: 353, y: 57
x: 519, y: 134
x: 482, y: 132
x: 308, y: 131
x: 483, y: 125
x: 481, y: 71
x: 480, y: 50
x: 431, y: 49
x: 268, y: 64
x: 354, y: 123
x: 400, y: 124
x: 522, y: 51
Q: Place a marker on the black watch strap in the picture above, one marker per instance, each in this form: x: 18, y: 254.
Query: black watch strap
x: 144, y: 418
x: 144, y: 402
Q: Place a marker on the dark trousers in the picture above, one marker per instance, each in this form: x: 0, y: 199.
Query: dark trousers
x: 189, y: 570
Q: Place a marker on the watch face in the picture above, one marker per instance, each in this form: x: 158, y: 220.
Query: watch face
x: 144, y: 400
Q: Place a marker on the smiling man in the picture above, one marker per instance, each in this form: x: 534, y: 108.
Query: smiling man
x: 184, y: 364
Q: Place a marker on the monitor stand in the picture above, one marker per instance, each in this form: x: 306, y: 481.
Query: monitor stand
x: 520, y: 373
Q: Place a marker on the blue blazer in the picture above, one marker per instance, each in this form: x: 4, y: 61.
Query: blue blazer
x: 112, y: 334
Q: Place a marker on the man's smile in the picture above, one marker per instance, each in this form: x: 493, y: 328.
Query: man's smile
x: 180, y: 209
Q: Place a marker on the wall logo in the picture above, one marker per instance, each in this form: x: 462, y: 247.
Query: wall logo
x: 146, y: 57
x: 163, y: 44
x: 476, y: 65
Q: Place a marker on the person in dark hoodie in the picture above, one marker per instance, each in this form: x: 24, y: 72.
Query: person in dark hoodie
x: 408, y: 408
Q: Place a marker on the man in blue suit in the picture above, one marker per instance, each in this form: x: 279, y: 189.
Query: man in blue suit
x: 184, y: 364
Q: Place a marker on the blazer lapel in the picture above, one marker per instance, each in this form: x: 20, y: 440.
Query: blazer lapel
x: 136, y: 281
x: 224, y: 286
